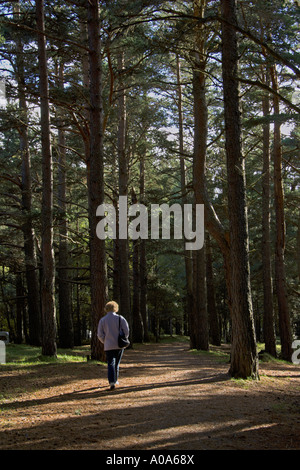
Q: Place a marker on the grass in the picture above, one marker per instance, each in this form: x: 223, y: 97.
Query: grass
x: 221, y: 356
x: 23, y: 354
x: 172, y: 339
x: 26, y: 355
x: 266, y: 357
x: 224, y: 357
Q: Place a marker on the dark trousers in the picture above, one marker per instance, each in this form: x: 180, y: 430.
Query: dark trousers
x: 113, y: 358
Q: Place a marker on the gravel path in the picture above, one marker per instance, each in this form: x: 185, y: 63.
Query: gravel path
x: 167, y: 399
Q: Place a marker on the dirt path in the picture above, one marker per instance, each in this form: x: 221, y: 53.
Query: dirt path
x: 167, y: 399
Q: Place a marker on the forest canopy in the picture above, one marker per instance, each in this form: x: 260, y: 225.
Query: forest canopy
x: 161, y: 102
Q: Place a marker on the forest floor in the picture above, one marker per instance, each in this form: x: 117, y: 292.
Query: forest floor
x: 168, y: 398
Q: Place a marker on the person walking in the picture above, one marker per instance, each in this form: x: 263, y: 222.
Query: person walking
x: 108, y: 332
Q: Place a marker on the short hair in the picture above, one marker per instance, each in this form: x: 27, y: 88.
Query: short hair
x: 111, y: 306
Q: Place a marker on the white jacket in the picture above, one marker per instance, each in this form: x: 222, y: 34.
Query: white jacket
x: 108, y: 330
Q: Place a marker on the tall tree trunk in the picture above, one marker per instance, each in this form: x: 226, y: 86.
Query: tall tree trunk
x: 212, y: 222
x: 188, y: 260
x: 268, y: 314
x: 244, y: 361
x: 66, y: 332
x: 116, y: 251
x: 280, y: 276
x: 137, y: 321
x: 199, y: 320
x: 47, y: 290
x: 95, y: 166
x: 77, y: 326
x: 123, y: 191
x: 20, y: 307
x: 143, y: 259
x: 214, y: 328
x: 85, y: 134
x: 33, y: 289
x: 116, y: 259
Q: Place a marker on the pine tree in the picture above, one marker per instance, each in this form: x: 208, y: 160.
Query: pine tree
x: 244, y: 361
x: 47, y: 288
x: 95, y: 168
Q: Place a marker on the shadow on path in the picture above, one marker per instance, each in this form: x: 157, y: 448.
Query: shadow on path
x: 168, y: 398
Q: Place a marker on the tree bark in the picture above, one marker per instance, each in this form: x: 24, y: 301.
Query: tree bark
x: 125, y: 308
x: 47, y: 290
x: 268, y: 314
x: 212, y: 222
x: 244, y: 361
x: 280, y: 276
x: 188, y: 260
x: 20, y: 307
x: 95, y: 168
x: 137, y: 321
x: 116, y: 254
x: 33, y: 288
x: 199, y: 320
x: 143, y: 259
x: 214, y: 329
x: 66, y: 332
